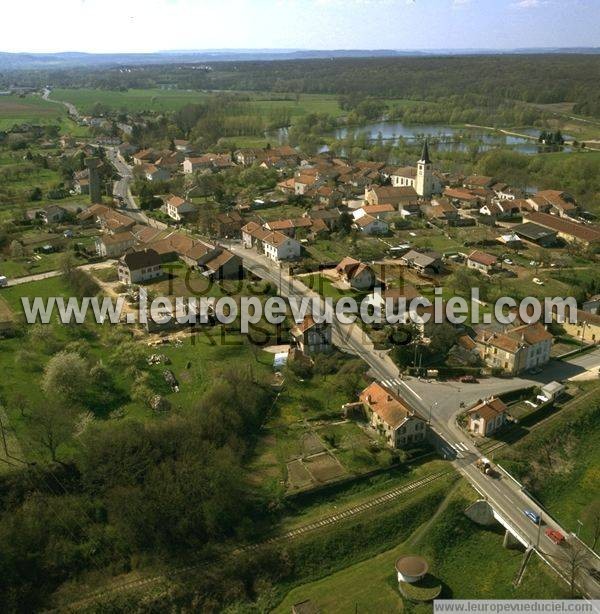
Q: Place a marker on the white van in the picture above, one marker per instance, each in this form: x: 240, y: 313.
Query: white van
x: 3, y: 281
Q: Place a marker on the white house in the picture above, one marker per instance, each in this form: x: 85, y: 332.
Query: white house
x: 278, y: 247
x: 370, y: 225
x: 178, y: 208
x: 139, y: 267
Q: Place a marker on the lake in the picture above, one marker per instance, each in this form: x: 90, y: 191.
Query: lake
x: 443, y: 138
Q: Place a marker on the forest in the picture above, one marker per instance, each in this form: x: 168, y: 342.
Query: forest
x: 540, y: 79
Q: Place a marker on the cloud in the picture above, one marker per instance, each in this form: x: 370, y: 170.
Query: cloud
x: 528, y: 4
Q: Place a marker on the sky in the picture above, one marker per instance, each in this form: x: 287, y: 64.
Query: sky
x: 154, y: 25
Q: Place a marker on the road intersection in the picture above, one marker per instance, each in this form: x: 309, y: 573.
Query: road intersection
x: 440, y: 402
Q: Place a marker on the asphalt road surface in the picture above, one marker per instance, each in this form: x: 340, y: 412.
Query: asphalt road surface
x: 440, y: 401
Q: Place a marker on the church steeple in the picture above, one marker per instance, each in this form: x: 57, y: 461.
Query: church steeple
x: 425, y: 154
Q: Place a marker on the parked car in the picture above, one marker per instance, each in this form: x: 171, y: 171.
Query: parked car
x: 3, y: 281
x: 555, y: 536
x: 468, y: 379
x: 535, y: 518
x: 538, y: 281
x: 508, y: 261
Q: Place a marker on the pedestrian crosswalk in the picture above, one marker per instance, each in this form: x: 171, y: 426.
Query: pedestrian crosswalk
x: 393, y: 384
x: 451, y: 450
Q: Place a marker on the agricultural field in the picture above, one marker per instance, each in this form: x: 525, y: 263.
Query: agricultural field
x: 28, y: 109
x: 158, y: 100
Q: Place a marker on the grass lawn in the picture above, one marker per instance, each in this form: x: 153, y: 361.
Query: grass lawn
x: 469, y: 561
x: 569, y: 480
x: 29, y: 109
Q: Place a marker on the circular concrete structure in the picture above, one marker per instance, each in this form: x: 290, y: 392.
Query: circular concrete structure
x: 411, y: 568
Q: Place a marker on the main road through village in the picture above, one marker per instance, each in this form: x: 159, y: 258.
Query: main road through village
x: 440, y: 402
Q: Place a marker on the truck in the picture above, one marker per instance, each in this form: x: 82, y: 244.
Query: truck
x: 556, y: 537
x: 485, y: 466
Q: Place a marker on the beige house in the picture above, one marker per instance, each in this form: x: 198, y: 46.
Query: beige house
x: 178, y: 208
x: 586, y: 329
x: 487, y: 417
x: 388, y: 413
x: 312, y: 337
x: 356, y: 274
x: 517, y: 349
x: 482, y: 262
x: 114, y: 246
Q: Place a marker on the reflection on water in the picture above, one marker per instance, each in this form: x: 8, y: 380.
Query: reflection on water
x: 444, y: 138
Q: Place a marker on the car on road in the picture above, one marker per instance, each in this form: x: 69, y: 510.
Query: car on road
x: 3, y: 281
x: 535, y: 518
x: 555, y: 536
x: 468, y: 379
x: 538, y: 281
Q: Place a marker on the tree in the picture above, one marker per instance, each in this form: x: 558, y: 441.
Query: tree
x: 591, y: 519
x: 66, y: 263
x: 52, y: 424
x: 576, y: 558
x: 16, y: 249
x: 66, y: 375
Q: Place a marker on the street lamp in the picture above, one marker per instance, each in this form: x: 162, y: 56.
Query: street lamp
x: 434, y: 404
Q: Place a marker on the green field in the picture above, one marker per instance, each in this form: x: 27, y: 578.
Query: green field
x: 30, y: 109
x: 171, y: 100
x: 560, y: 462
x: 469, y: 561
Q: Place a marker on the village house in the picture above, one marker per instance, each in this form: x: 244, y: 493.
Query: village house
x: 114, y: 246
x: 52, y: 214
x: 144, y: 156
x: 357, y: 275
x: 427, y: 263
x: 312, y: 337
x: 81, y: 182
x: 479, y: 182
x: 228, y: 224
x: 139, y: 267
x: 378, y: 211
x: 288, y: 227
x: 178, y: 208
x: 464, y: 199
x: 535, y: 234
x: 370, y: 225
x: 404, y: 200
x: 392, y: 416
x: 106, y: 219
x: 586, y: 329
x: 440, y: 210
x: 571, y: 232
x: 182, y: 146
x: 592, y: 304
x: 482, y: 262
x: 487, y: 417
x: 278, y: 247
x: 516, y: 350
x: 155, y: 173
x: 557, y: 202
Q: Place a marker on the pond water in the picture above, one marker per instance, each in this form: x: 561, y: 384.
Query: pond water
x: 442, y: 138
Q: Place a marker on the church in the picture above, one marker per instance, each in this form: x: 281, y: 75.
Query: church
x: 421, y: 178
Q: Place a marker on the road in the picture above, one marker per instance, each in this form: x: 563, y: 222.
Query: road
x: 71, y: 108
x: 440, y: 402
x: 56, y: 273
